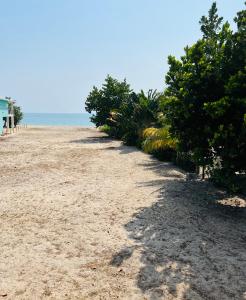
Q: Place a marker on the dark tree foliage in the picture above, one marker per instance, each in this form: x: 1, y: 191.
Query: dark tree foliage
x: 124, y: 112
x: 202, y: 112
x: 102, y: 101
x: 136, y: 113
x: 18, y: 115
x: 205, y: 100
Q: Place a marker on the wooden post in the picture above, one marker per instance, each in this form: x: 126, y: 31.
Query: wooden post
x: 12, y: 123
x: 12, y: 115
x: 7, y: 124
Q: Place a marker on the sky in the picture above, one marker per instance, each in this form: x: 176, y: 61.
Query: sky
x: 54, y: 51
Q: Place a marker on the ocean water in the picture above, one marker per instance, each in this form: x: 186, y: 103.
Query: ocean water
x: 82, y: 119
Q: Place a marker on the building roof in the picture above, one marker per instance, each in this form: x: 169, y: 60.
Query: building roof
x: 2, y: 99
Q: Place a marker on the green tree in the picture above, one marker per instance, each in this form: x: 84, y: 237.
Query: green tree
x: 229, y: 140
x: 205, y: 102
x: 18, y: 115
x: 102, y: 101
x: 196, y: 80
x: 136, y: 113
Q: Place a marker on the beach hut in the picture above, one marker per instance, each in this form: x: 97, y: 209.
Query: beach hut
x: 6, y: 114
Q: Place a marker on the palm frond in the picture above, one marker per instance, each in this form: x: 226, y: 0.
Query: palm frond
x: 157, y: 139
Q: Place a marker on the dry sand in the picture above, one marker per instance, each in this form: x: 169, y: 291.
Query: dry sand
x: 83, y: 217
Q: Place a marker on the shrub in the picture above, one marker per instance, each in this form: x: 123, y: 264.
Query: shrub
x: 158, y: 139
x: 233, y: 182
x: 105, y: 128
x: 185, y: 161
x: 110, y: 130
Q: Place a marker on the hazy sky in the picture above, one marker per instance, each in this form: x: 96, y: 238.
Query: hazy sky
x: 53, y: 51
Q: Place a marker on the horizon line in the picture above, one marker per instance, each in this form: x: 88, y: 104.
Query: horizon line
x: 84, y: 112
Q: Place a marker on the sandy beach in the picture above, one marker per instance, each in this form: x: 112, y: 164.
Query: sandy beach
x: 84, y: 217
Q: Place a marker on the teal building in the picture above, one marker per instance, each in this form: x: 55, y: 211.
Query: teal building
x: 4, y: 112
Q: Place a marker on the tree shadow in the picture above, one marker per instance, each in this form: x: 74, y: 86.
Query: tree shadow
x: 192, y: 246
x: 121, y: 256
x: 116, y: 145
x: 163, y: 169
x: 122, y: 149
x: 93, y: 140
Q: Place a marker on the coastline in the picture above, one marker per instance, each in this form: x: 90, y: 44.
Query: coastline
x: 57, y: 119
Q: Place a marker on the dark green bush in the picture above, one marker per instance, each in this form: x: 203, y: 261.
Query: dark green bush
x: 131, y: 139
x: 234, y: 183
x: 184, y: 160
x: 165, y: 154
x: 110, y: 130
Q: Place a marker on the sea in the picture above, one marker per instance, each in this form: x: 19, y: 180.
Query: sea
x: 57, y: 119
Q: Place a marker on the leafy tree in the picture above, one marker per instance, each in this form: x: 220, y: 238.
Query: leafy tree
x: 200, y: 103
x: 122, y: 120
x: 229, y: 140
x: 201, y: 114
x: 102, y: 101
x: 18, y: 115
x: 136, y: 113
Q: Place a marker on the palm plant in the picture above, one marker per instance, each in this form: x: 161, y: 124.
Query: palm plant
x: 137, y: 112
x: 158, y: 139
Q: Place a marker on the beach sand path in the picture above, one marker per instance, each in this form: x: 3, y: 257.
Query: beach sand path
x: 84, y: 217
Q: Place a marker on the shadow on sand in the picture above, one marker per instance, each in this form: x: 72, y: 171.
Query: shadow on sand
x: 191, y: 246
x: 93, y: 140
x: 122, y: 149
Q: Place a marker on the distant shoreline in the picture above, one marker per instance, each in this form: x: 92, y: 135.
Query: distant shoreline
x: 31, y: 126
x: 56, y: 113
x: 57, y: 119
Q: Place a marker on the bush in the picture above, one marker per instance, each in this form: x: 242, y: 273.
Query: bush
x: 184, y: 161
x: 158, y: 139
x: 234, y: 183
x: 165, y: 154
x: 131, y: 139
x: 105, y: 128
x: 110, y: 130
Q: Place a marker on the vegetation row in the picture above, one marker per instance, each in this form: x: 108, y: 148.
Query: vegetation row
x: 199, y: 120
